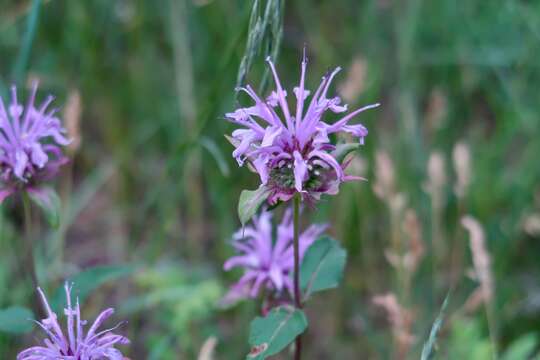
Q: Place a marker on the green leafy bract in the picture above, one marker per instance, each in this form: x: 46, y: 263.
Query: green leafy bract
x: 250, y: 201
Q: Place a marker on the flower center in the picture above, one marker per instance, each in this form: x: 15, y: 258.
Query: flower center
x: 282, y: 176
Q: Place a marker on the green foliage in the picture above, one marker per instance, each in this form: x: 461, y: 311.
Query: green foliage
x: 468, y: 341
x: 180, y: 299
x: 322, y: 267
x: 85, y: 282
x: 250, y: 201
x: 16, y: 320
x: 522, y: 348
x: 272, y: 333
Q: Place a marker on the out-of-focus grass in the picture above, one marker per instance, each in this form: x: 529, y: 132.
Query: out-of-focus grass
x: 156, y: 79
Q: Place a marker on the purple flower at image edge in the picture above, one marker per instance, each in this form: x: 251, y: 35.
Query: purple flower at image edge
x: 95, y: 345
x: 30, y: 143
x: 267, y: 264
x: 293, y: 153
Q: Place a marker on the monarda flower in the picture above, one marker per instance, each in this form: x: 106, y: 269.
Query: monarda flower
x: 30, y: 144
x: 268, y: 264
x: 95, y: 345
x: 292, y: 152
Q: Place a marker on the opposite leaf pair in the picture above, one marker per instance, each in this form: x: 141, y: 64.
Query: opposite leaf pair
x: 322, y: 269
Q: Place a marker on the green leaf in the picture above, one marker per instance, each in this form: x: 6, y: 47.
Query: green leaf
x: 16, y: 320
x: 48, y: 201
x: 87, y: 281
x: 342, y: 150
x: 271, y: 334
x: 522, y: 348
x: 428, y: 351
x: 250, y: 201
x: 322, y: 267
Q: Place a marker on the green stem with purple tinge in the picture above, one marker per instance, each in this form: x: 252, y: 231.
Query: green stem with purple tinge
x: 296, y: 244
x: 28, y: 252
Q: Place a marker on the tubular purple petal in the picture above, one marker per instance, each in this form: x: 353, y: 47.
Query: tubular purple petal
x: 28, y: 136
x: 95, y: 346
x: 267, y: 262
x: 283, y: 155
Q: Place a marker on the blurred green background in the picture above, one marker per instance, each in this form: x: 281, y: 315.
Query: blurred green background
x: 149, y: 199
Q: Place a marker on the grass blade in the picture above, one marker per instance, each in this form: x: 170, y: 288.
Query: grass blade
x: 428, y: 351
x: 24, y: 54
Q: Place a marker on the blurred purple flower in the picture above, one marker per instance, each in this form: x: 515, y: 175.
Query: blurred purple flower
x: 30, y: 140
x: 267, y: 263
x: 76, y: 346
x: 293, y: 153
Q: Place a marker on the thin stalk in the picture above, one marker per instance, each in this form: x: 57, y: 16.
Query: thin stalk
x: 28, y: 252
x: 1, y: 223
x: 434, y: 249
x: 491, y: 326
x: 458, y: 251
x: 297, y: 295
x: 397, y: 248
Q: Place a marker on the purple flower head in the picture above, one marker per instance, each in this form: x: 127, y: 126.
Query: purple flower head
x: 30, y: 140
x: 292, y: 151
x: 95, y: 345
x: 267, y: 263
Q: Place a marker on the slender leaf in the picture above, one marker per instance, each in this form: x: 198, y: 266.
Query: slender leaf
x: 24, y: 54
x: 428, y: 351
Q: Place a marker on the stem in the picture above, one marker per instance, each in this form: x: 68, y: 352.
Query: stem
x: 28, y: 252
x: 434, y: 249
x: 458, y: 248
x: 1, y: 222
x: 491, y: 326
x: 297, y: 295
